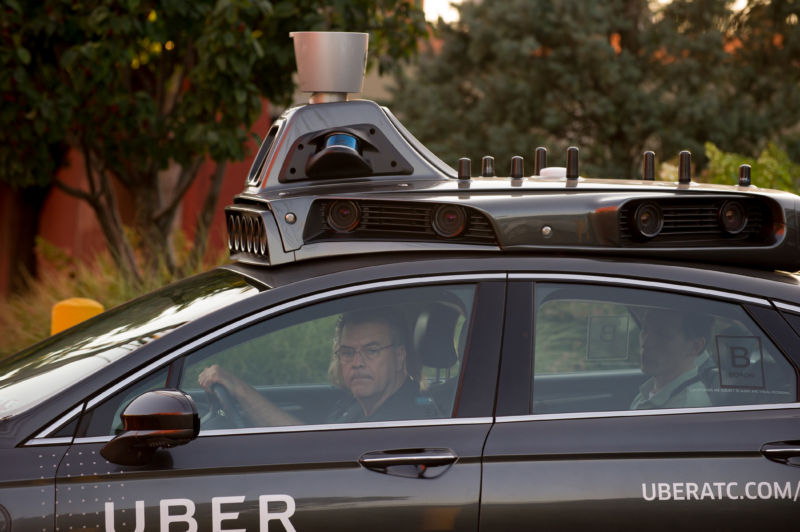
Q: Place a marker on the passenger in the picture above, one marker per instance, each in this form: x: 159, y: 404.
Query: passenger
x: 672, y: 349
x: 370, y: 360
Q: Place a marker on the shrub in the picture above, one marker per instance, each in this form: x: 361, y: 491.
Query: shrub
x: 772, y: 169
x: 25, y: 317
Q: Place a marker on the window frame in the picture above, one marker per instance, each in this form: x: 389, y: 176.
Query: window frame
x: 310, y: 314
x: 175, y: 357
x: 515, y: 393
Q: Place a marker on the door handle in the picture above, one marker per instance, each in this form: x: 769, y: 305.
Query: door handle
x: 419, y: 463
x: 784, y: 452
x: 427, y: 457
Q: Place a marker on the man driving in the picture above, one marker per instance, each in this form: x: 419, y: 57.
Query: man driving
x: 370, y: 360
x: 670, y: 344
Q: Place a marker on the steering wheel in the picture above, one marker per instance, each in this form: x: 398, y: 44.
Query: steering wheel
x: 227, y: 406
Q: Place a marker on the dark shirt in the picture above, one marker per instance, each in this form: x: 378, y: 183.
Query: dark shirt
x: 405, y: 403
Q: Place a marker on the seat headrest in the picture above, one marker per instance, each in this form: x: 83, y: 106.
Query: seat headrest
x: 434, y: 332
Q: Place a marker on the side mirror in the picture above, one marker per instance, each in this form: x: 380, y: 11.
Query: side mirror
x: 159, y: 418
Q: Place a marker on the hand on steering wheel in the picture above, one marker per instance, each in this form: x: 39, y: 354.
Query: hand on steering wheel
x: 230, y: 407
x: 222, y: 403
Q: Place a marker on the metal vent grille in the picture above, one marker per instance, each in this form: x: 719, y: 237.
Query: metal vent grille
x: 401, y: 221
x: 246, y: 233
x: 696, y: 223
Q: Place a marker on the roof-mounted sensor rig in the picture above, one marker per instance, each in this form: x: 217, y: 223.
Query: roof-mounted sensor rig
x: 341, y: 176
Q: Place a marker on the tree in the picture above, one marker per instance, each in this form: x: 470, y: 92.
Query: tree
x: 614, y: 78
x: 140, y: 87
x: 766, y: 73
x: 771, y: 169
x: 555, y: 75
x: 735, y: 75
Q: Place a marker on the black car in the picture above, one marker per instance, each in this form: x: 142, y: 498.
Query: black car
x: 567, y: 354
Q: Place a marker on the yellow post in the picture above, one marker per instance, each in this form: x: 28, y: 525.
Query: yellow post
x: 72, y: 311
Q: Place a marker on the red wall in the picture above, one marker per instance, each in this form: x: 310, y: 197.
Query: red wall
x: 70, y: 223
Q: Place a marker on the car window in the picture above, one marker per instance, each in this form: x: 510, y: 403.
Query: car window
x: 380, y: 356
x: 606, y: 348
x: 105, y: 419
x: 52, y: 365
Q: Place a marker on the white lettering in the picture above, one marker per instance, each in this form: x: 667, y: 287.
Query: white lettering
x: 765, y: 493
x: 644, y: 492
x: 139, y: 527
x: 785, y: 493
x: 688, y: 491
x: 218, y: 516
x: 185, y: 517
x: 719, y: 486
x: 265, y: 516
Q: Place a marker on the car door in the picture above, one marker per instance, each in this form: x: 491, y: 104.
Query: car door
x: 589, y: 433
x: 401, y: 471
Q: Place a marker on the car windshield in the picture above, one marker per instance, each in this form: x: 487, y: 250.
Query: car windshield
x: 44, y: 369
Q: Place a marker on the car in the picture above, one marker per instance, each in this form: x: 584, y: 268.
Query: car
x: 581, y: 354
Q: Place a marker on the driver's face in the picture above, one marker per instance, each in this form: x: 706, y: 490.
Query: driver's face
x: 371, y: 379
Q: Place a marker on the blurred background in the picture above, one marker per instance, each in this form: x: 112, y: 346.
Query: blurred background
x: 127, y: 126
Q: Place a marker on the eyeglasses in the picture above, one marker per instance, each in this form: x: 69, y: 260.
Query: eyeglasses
x: 369, y: 352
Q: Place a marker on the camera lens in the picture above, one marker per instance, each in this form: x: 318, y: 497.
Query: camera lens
x: 449, y: 221
x: 343, y: 216
x: 341, y: 139
x: 648, y: 220
x: 733, y: 217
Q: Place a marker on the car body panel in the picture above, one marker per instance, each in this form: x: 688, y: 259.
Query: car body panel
x: 316, y: 467
x: 474, y: 261
x: 663, y: 469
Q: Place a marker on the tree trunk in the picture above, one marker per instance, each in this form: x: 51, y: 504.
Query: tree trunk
x: 103, y: 201
x: 205, y: 218
x: 154, y: 230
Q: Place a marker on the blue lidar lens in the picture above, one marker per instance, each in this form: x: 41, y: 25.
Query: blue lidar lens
x: 342, y: 139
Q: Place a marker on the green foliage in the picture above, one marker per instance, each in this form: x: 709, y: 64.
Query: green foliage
x: 564, y: 337
x: 142, y: 86
x: 614, y: 78
x: 33, y: 108
x: 150, y: 83
x: 772, y: 169
x: 299, y: 354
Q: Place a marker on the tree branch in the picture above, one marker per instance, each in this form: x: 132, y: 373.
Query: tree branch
x: 185, y: 180
x: 103, y: 202
x: 76, y: 192
x: 206, y: 216
x: 87, y: 161
x: 188, y: 63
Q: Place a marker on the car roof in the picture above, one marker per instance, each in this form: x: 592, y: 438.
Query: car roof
x: 351, y: 269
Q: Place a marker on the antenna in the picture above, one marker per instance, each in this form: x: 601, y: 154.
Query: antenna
x: 649, y: 166
x: 539, y: 160
x: 685, y: 167
x: 573, y: 163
